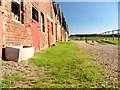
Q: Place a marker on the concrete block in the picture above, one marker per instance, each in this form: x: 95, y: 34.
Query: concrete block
x: 19, y: 53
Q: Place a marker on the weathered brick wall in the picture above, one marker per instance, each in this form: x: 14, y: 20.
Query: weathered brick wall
x: 54, y: 25
x: 59, y: 28
x: 66, y: 36
x: 16, y: 33
x: 1, y: 33
x: 43, y: 41
x: 44, y: 8
x: 58, y: 32
x: 63, y: 35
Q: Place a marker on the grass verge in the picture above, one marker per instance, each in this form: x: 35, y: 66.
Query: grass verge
x: 62, y: 66
x: 110, y: 41
x: 69, y: 67
x: 10, y: 80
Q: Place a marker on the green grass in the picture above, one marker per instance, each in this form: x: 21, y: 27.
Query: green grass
x: 68, y: 67
x: 62, y: 66
x: 110, y: 41
x: 10, y: 80
x: 57, y: 56
x: 99, y: 39
x: 83, y: 38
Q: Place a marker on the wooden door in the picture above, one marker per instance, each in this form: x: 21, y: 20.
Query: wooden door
x: 35, y: 35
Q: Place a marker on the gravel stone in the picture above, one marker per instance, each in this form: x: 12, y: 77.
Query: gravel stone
x: 106, y: 55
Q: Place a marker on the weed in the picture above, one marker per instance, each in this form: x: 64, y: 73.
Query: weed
x: 10, y: 80
x: 69, y: 67
x: 110, y: 41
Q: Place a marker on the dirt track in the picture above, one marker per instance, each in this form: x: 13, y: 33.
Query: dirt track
x: 106, y: 55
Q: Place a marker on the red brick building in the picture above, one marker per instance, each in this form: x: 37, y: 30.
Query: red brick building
x: 1, y: 31
x: 62, y: 33
x: 37, y: 24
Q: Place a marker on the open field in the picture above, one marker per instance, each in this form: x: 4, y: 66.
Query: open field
x: 67, y: 65
x: 84, y: 38
x: 110, y: 41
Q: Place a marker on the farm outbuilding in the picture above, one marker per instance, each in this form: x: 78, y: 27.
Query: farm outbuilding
x: 36, y: 24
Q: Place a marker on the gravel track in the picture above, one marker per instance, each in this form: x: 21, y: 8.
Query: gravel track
x: 106, y: 55
x: 25, y: 69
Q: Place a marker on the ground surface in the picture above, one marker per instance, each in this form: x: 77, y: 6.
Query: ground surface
x: 48, y: 73
x: 24, y: 69
x: 107, y: 55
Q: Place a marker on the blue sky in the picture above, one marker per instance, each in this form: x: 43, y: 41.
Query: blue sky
x: 90, y: 17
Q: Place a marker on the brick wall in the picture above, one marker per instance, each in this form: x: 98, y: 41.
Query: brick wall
x: 43, y: 8
x: 58, y: 32
x: 63, y: 34
x: 54, y: 25
x: 16, y: 33
x: 66, y: 36
x: 1, y: 32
